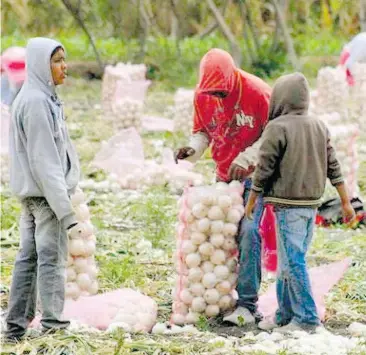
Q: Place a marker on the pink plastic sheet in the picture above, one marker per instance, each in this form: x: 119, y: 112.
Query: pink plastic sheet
x: 268, y: 233
x: 322, y: 278
x: 99, y: 311
x: 157, y: 124
x: 123, y: 153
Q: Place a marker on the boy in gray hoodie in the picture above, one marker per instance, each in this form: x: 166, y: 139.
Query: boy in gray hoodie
x: 44, y: 172
x: 295, y: 159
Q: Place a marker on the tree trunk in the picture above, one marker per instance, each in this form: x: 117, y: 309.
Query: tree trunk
x: 276, y: 36
x: 287, y: 37
x: 214, y: 25
x: 363, y: 15
x: 76, y: 15
x: 253, y: 29
x: 237, y: 55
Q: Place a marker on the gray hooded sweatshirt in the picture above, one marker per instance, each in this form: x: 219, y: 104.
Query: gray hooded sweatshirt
x: 296, y: 155
x: 43, y: 161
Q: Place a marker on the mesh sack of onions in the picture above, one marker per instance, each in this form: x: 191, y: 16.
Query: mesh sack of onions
x: 183, y: 111
x: 344, y: 140
x: 127, y: 112
x: 112, y: 75
x: 81, y: 272
x: 206, y: 255
x: 332, y: 91
x: 357, y: 102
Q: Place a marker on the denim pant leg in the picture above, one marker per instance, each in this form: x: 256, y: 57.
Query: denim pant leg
x: 250, y: 244
x: 284, y: 312
x: 51, y: 244
x: 295, y: 228
x: 23, y: 291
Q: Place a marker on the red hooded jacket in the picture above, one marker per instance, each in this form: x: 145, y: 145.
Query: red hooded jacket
x: 235, y: 122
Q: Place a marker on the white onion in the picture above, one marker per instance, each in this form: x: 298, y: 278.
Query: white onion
x: 198, y: 238
x: 77, y: 198
x: 77, y: 247
x: 209, y: 280
x: 232, y: 264
x: 203, y: 225
x: 92, y: 271
x: 221, y: 186
x: 193, y: 260
x: 240, y: 209
x: 217, y: 227
x: 207, y: 266
x: 70, y: 260
x: 72, y: 290
x: 159, y: 328
x: 70, y: 274
x: 217, y: 240
x: 215, y: 213
x: 192, y: 318
x: 224, y: 202
x: 188, y: 247
x: 237, y: 185
x: 218, y: 257
x: 197, y: 289
x: 230, y: 230
x: 80, y: 264
x: 221, y: 272
x: 211, y: 296
x: 212, y: 310
x: 206, y: 249
x: 224, y: 287
x: 199, y: 210
x: 207, y: 199
x: 195, y: 274
x: 82, y: 212
x: 186, y: 296
x: 233, y: 277
x: 225, y: 302
x: 178, y: 319
x: 229, y: 244
x: 233, y: 216
x: 83, y: 280
x: 198, y: 304
x: 89, y: 247
x: 180, y: 307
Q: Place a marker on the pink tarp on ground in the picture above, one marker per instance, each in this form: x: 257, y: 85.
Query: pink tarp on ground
x: 322, y: 278
x: 99, y: 311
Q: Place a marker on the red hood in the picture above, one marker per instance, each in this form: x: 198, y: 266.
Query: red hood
x: 217, y: 72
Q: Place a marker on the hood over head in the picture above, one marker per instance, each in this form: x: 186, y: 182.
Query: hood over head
x: 217, y: 72
x: 38, y: 63
x: 290, y: 96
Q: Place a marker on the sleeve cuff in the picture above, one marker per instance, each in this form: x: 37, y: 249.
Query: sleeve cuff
x: 257, y: 189
x: 67, y: 221
x: 337, y: 181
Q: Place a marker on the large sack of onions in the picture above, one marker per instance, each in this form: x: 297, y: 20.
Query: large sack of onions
x: 183, y: 111
x: 81, y: 272
x: 206, y: 256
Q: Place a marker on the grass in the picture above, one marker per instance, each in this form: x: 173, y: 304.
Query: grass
x: 124, y: 220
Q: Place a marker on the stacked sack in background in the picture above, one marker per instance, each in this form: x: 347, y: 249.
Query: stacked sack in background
x: 123, y: 93
x: 81, y: 272
x: 332, y: 102
x: 206, y: 256
x: 183, y: 111
x: 358, y: 96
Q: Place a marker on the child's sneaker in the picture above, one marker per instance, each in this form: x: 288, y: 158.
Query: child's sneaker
x: 267, y: 324
x: 241, y: 316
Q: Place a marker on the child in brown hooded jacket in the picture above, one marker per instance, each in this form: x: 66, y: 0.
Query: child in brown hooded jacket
x: 295, y: 159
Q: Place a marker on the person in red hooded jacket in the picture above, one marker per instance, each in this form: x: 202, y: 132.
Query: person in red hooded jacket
x: 231, y: 112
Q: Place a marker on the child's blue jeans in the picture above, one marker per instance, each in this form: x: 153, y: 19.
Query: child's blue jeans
x: 296, y: 304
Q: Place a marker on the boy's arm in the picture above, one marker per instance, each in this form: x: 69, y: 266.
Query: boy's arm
x: 45, y: 163
x: 270, y: 153
x: 334, y: 174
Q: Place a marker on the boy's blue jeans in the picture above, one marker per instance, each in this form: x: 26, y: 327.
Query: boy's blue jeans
x: 296, y: 304
x: 250, y: 245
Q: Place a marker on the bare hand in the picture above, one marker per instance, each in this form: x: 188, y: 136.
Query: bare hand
x: 236, y: 172
x: 183, y: 153
x: 348, y: 212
